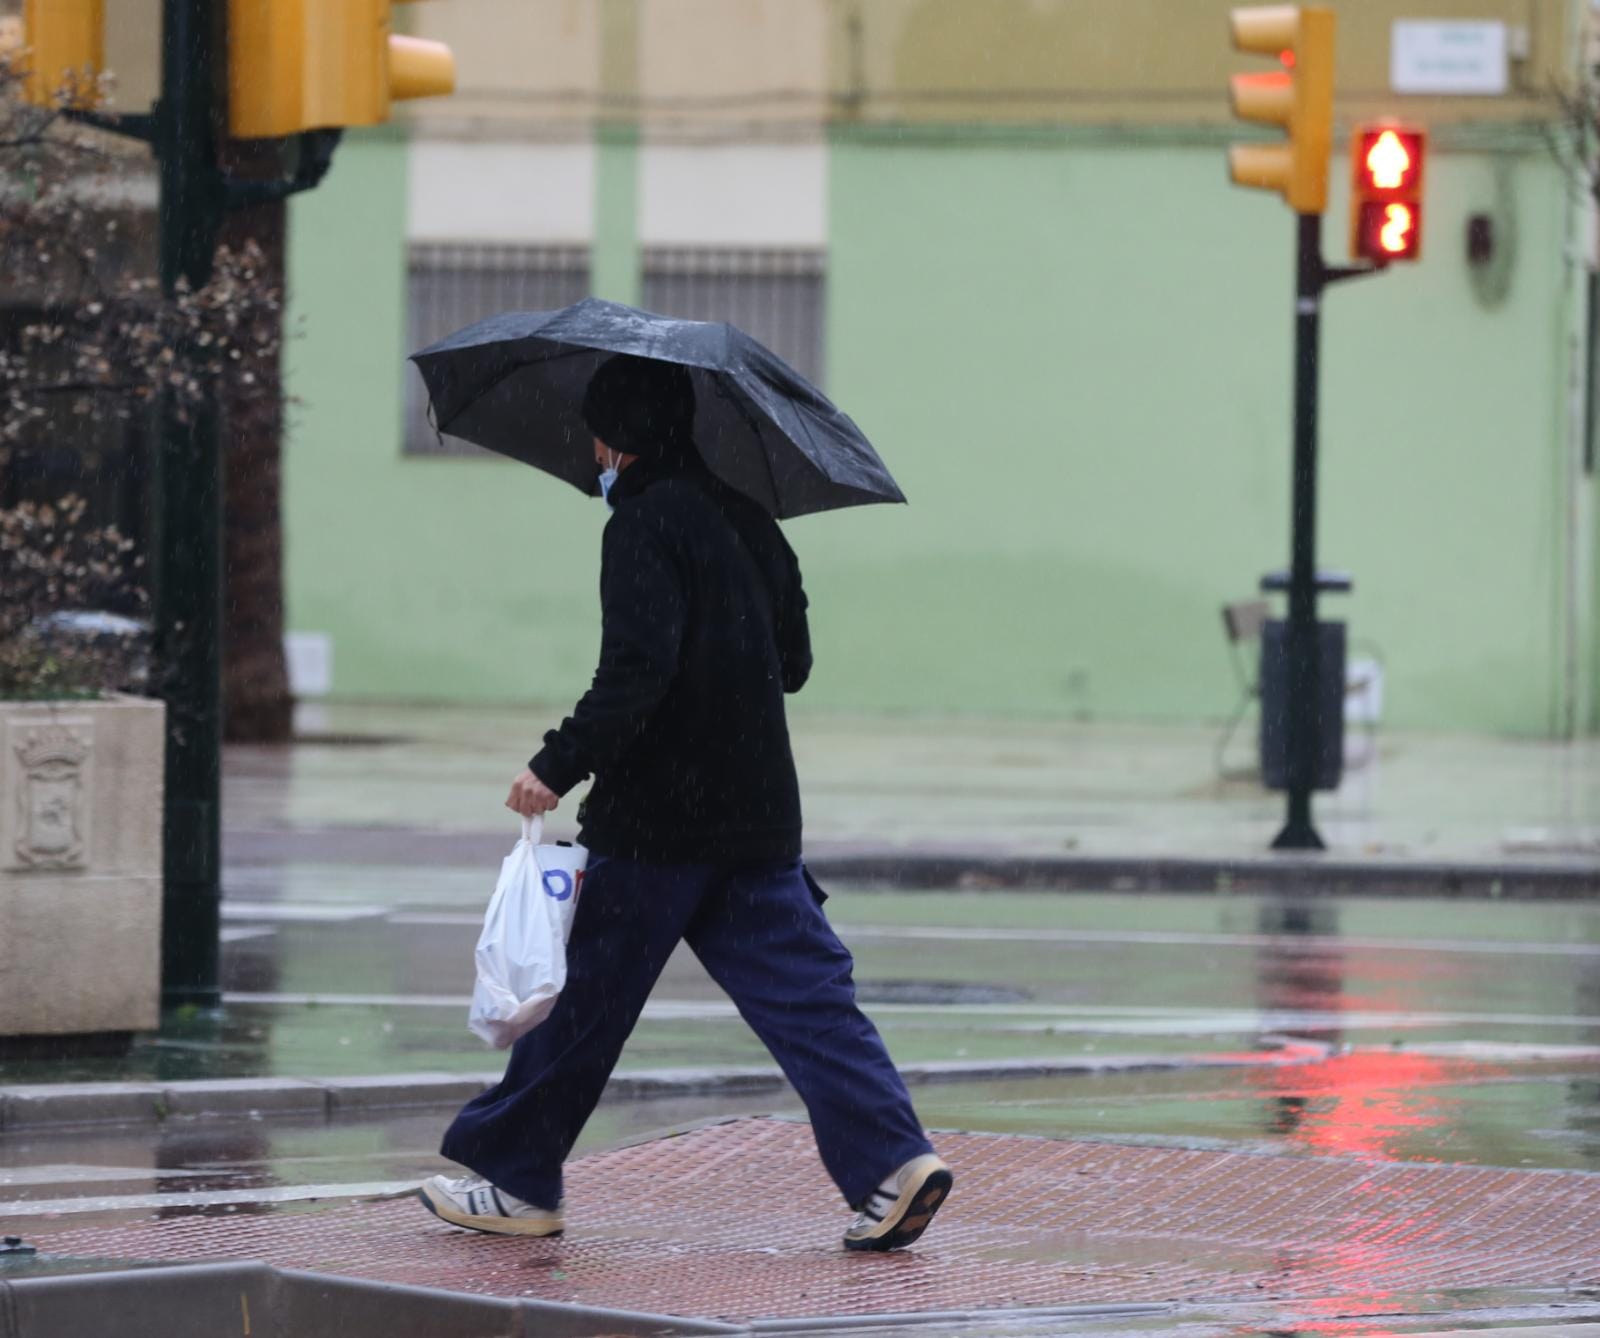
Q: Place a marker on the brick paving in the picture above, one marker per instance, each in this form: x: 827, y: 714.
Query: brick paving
x: 736, y: 1221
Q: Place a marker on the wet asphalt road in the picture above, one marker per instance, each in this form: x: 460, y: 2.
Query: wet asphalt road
x: 1454, y: 1032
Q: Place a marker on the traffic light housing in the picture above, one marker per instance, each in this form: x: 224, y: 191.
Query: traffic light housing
x: 1299, y: 97
x: 296, y: 65
x: 64, y: 43
x: 1387, y: 162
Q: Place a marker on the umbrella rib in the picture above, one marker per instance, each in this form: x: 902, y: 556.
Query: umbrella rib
x: 504, y: 376
x: 755, y: 426
x: 732, y: 392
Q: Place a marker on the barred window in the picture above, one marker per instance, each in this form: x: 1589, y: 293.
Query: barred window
x: 776, y: 295
x: 452, y: 284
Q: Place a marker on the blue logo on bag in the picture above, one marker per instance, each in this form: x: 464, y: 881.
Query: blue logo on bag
x: 558, y: 884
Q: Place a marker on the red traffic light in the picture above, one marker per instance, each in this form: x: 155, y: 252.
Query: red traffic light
x: 1386, y: 193
x: 1389, y: 161
x: 1389, y: 231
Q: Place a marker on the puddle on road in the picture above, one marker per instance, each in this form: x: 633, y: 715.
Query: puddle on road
x: 1452, y: 1052
x: 1350, y: 1105
x: 1375, y: 1105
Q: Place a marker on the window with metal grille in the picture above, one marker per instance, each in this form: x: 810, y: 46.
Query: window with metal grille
x: 776, y: 295
x: 455, y: 283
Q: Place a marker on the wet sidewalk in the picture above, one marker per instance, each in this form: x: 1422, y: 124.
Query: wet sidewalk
x: 943, y: 802
x: 736, y: 1223
x: 1351, y: 1114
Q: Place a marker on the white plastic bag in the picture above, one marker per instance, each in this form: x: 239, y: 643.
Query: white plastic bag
x: 522, y: 952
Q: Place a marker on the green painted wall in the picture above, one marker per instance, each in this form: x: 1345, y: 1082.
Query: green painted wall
x: 438, y: 578
x: 614, y: 255
x: 615, y: 272
x: 1076, y: 359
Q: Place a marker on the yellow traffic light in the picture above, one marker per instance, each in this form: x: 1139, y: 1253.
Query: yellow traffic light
x: 1299, y: 97
x: 64, y: 44
x: 298, y: 65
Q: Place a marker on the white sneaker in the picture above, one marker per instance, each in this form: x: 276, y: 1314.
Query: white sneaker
x: 473, y: 1202
x: 899, y: 1210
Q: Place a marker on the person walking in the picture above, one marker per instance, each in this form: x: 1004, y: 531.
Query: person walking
x: 693, y: 827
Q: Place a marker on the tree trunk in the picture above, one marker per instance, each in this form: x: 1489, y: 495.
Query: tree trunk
x: 257, y: 706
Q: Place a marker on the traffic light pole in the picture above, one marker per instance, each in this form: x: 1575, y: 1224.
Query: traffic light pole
x: 187, y: 133
x: 187, y: 528
x: 1305, y: 670
x: 1303, y: 640
x: 187, y: 579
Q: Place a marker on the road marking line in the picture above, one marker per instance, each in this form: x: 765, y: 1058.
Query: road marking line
x: 1293, y: 942
x: 115, y: 1203
x: 1155, y: 1021
x: 62, y: 1173
x: 1299, y: 943
x: 304, y: 1000
x: 301, y: 912
x: 437, y: 919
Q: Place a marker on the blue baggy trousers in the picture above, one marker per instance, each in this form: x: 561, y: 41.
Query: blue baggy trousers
x: 761, y: 934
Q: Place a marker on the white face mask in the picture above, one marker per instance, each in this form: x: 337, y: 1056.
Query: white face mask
x: 608, y: 480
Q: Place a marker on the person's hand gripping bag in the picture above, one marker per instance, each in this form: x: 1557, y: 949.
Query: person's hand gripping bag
x: 522, y: 952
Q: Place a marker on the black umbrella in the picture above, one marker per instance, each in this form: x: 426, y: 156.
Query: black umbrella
x: 514, y: 383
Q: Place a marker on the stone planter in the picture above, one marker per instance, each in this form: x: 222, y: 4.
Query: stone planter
x: 80, y: 866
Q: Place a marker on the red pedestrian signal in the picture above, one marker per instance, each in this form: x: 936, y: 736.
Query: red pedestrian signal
x: 1389, y: 161
x: 1386, y: 193
x: 1388, y: 232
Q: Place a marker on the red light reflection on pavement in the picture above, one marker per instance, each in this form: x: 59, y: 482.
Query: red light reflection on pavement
x: 1367, y: 1103
x: 1373, y: 1104
x: 1285, y: 1056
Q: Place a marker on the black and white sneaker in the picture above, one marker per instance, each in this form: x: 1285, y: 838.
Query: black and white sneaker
x: 899, y: 1210
x: 474, y: 1203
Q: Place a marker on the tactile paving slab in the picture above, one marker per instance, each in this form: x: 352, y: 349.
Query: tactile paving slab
x: 737, y: 1221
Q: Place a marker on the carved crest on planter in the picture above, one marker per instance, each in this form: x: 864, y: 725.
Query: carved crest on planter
x: 49, y: 766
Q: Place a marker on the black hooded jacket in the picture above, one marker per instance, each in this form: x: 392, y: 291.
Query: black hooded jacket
x: 703, y: 632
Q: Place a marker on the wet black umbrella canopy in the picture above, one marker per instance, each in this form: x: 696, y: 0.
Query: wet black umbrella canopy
x: 515, y: 384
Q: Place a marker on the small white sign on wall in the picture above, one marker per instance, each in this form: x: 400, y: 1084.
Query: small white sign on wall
x: 1450, y: 56
x: 310, y: 656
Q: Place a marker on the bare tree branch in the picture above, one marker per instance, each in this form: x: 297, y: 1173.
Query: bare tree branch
x: 99, y: 336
